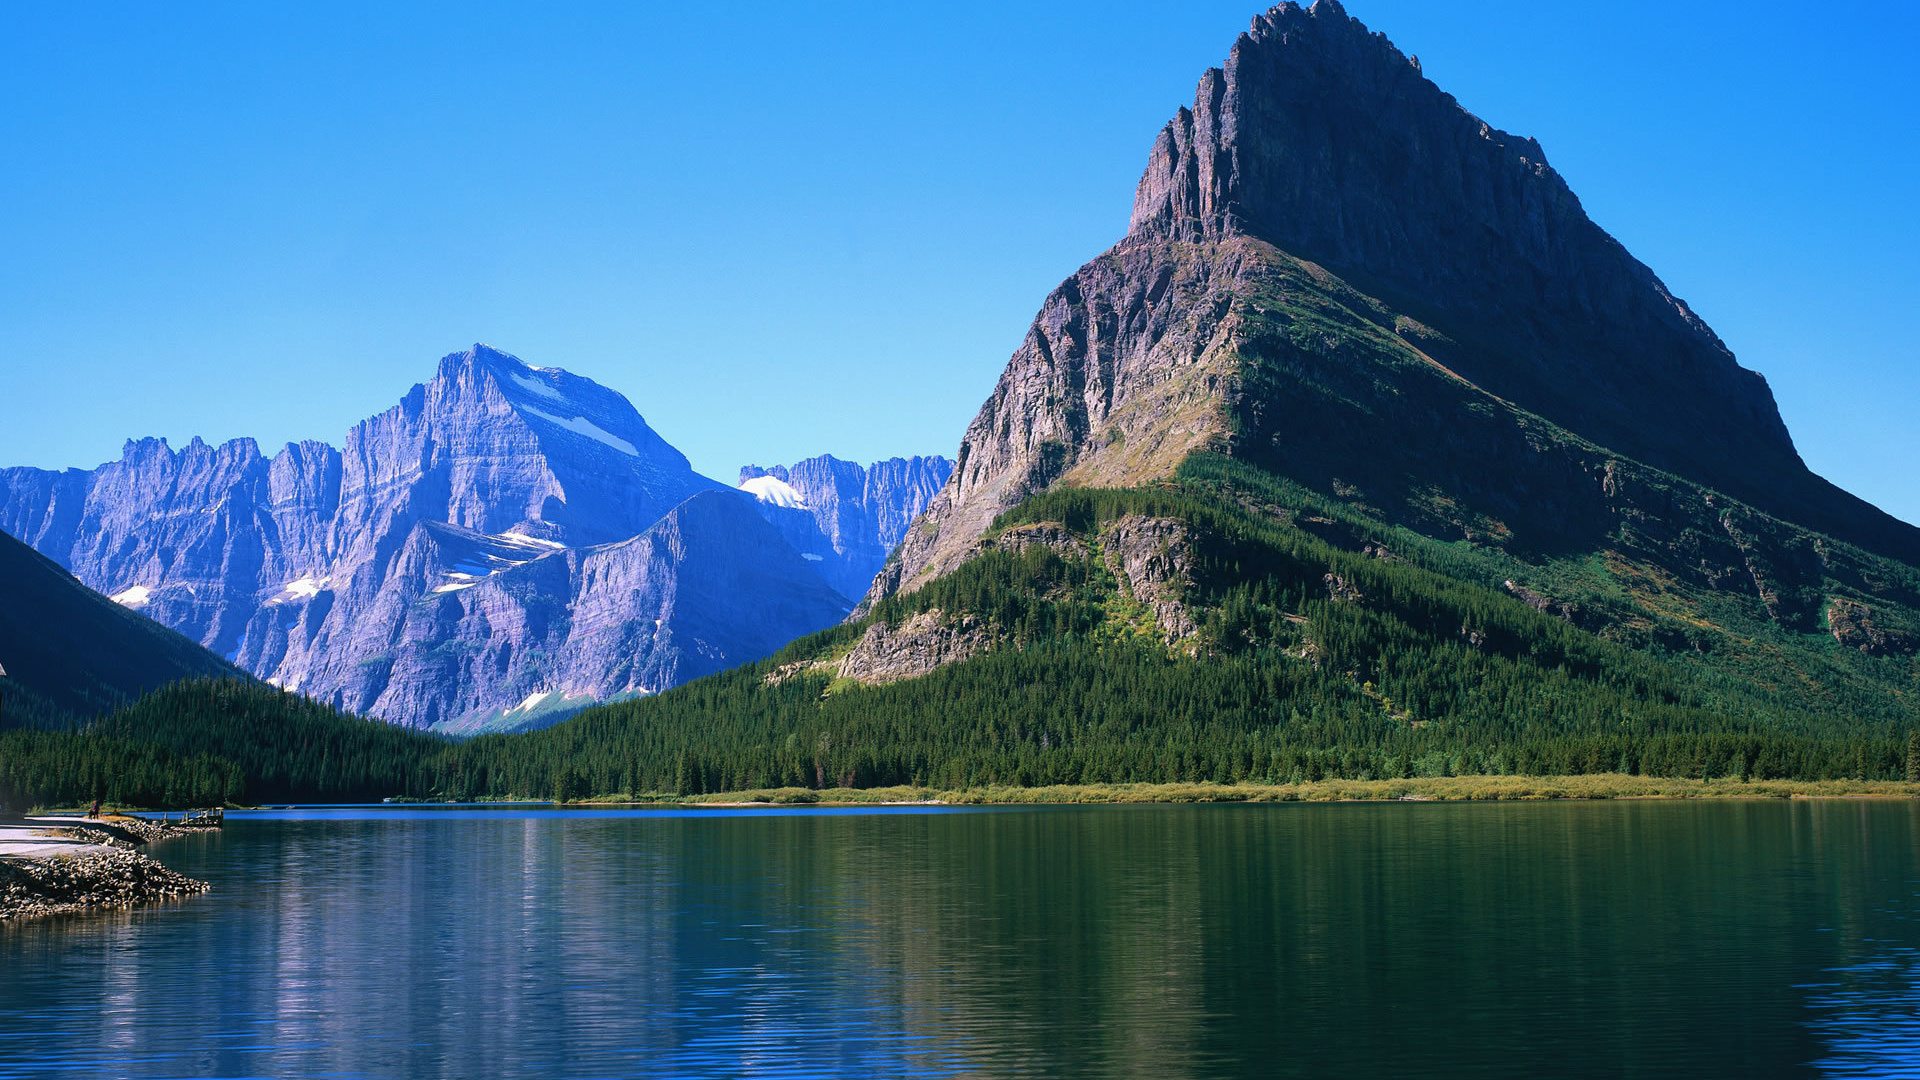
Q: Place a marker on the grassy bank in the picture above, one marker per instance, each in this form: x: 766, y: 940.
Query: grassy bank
x: 1437, y: 789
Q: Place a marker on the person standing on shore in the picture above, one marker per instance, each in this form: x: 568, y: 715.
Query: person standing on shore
x: 95, y: 812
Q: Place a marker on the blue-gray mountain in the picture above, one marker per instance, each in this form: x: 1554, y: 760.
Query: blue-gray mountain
x: 506, y: 544
x: 843, y: 517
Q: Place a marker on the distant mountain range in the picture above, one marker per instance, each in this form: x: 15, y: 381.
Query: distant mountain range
x: 506, y: 545
x: 845, y: 518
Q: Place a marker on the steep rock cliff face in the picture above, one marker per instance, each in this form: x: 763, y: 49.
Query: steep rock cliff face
x: 1337, y: 273
x: 1326, y: 141
x: 418, y: 575
x: 469, y: 630
x: 1123, y: 374
x: 844, y: 517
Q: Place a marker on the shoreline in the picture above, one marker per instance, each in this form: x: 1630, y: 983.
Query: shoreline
x: 1589, y: 787
x: 54, y: 865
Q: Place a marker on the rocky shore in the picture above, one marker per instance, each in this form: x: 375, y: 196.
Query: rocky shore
x: 57, y: 865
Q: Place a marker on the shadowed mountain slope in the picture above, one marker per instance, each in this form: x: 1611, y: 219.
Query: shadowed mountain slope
x: 70, y: 653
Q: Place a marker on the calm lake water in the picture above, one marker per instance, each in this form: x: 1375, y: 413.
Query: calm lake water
x: 1751, y: 939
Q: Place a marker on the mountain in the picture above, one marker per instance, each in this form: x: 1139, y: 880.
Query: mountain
x: 1364, y: 453
x: 1337, y: 273
x: 844, y: 517
x: 437, y: 569
x: 69, y: 653
x: 701, y: 589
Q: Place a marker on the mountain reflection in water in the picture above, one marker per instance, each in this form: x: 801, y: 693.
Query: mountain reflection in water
x: 1759, y: 939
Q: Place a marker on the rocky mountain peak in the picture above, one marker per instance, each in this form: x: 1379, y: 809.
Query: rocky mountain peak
x: 505, y: 535
x: 1325, y: 238
x: 555, y: 402
x: 1324, y: 139
x: 493, y: 443
x: 482, y: 354
x: 1211, y: 173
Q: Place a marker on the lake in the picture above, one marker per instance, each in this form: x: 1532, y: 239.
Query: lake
x: 1734, y: 938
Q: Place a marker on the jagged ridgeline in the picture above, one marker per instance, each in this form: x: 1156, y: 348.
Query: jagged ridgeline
x: 505, y: 546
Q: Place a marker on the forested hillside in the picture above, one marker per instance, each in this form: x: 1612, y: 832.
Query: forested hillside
x: 213, y: 741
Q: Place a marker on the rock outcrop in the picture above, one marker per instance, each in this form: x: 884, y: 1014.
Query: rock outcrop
x: 1050, y: 535
x: 928, y: 640
x: 1853, y: 627
x: 1342, y: 591
x: 1153, y: 559
x: 1544, y: 604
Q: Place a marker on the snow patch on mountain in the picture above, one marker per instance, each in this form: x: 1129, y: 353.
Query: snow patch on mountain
x: 580, y: 425
x: 531, y: 700
x: 134, y: 597
x: 535, y: 386
x: 306, y: 587
x: 772, y: 489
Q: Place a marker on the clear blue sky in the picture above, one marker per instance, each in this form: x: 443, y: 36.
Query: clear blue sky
x: 789, y: 229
